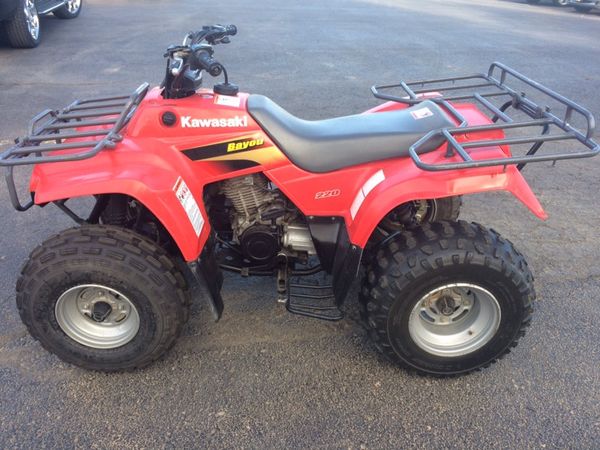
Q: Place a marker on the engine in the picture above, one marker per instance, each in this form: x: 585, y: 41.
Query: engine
x: 262, y: 221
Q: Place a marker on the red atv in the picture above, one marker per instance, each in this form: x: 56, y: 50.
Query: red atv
x: 188, y: 182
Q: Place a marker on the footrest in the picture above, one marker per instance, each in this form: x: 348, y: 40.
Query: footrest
x: 312, y: 300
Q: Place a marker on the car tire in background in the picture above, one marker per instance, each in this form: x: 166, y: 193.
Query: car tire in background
x: 23, y: 30
x: 561, y: 2
x: 69, y: 10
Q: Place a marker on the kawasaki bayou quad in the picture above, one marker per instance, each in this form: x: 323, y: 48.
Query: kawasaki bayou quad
x: 188, y: 182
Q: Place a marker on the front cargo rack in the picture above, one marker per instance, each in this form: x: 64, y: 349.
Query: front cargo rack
x: 80, y: 131
x: 496, y: 93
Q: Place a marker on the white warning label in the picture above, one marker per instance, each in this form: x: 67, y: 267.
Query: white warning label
x: 421, y: 113
x: 227, y: 100
x: 187, y: 200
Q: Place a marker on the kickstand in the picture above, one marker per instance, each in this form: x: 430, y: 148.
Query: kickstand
x: 282, y: 278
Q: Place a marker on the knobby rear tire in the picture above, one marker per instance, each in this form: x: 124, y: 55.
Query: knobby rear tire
x: 418, y: 261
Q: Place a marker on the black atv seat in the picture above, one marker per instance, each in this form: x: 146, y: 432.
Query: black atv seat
x: 332, y: 144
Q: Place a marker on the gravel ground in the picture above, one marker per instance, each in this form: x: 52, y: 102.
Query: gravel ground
x: 263, y: 378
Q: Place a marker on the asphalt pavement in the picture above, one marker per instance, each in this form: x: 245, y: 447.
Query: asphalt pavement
x: 261, y: 378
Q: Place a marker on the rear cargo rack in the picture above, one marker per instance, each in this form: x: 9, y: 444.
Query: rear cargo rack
x: 498, y: 86
x: 80, y: 131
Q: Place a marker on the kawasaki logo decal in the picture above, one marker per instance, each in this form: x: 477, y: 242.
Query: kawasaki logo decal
x: 233, y: 122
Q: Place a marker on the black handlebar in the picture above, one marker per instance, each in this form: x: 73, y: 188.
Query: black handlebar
x: 208, y: 63
x: 231, y: 30
x: 188, y: 60
x: 215, y: 34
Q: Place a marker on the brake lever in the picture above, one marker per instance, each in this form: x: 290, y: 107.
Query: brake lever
x: 195, y: 37
x: 216, y: 34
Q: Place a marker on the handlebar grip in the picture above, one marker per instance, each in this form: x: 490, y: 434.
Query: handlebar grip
x: 209, y: 64
x: 231, y: 30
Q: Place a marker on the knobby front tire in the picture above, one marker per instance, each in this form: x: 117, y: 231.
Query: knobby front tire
x: 103, y: 298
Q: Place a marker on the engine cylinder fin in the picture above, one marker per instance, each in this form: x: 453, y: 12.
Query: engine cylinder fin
x: 247, y: 194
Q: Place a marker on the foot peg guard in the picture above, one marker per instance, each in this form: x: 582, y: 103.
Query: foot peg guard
x: 312, y: 300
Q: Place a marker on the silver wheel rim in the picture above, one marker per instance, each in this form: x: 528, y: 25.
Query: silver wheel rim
x: 33, y: 20
x: 73, y: 6
x: 97, y: 316
x: 454, y: 320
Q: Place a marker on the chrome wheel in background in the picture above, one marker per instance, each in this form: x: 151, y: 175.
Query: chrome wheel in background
x: 32, y: 18
x: 73, y: 6
x: 69, y: 10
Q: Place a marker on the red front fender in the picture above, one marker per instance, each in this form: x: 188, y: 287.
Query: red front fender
x: 144, y: 176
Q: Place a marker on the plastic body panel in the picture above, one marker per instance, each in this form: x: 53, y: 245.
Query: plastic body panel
x: 214, y: 138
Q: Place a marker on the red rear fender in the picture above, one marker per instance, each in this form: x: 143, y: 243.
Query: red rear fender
x: 398, y: 188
